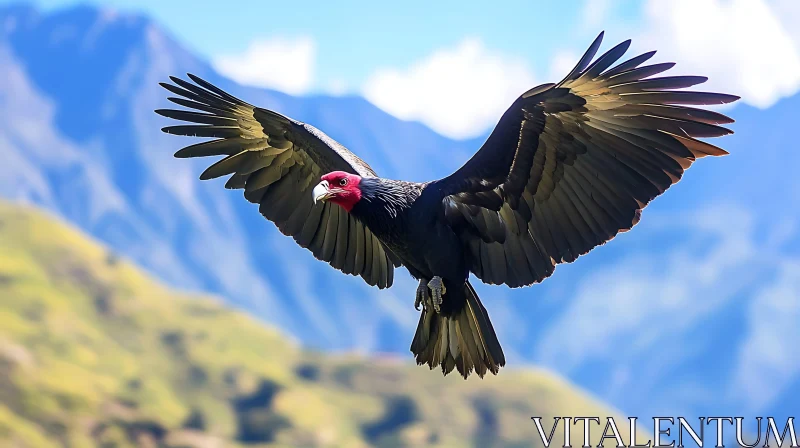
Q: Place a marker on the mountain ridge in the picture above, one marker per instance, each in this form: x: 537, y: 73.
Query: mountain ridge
x: 95, y: 353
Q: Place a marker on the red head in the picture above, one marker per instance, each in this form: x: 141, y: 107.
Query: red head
x: 340, y: 188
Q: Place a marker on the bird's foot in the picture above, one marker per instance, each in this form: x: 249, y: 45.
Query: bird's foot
x: 436, y: 285
x: 422, y: 295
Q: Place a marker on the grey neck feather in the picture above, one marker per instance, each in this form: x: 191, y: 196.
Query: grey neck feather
x: 384, y: 202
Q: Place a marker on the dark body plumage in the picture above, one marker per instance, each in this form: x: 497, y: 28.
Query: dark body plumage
x: 568, y: 167
x: 413, y: 227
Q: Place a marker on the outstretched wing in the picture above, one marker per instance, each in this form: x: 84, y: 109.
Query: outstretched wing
x: 572, y: 164
x: 277, y: 161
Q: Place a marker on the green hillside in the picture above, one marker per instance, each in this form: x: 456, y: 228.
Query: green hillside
x: 93, y: 352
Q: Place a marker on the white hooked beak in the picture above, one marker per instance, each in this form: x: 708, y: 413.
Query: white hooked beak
x: 321, y: 192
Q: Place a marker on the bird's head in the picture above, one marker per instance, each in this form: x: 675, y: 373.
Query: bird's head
x: 340, y: 188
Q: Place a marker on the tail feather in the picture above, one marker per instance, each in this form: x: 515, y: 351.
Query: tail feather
x: 462, y: 339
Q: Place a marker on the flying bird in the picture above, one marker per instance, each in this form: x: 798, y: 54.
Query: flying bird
x: 568, y: 166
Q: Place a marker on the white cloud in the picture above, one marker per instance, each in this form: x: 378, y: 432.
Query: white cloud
x: 459, y: 92
x: 278, y: 63
x: 789, y: 13
x: 743, y: 46
x: 750, y: 48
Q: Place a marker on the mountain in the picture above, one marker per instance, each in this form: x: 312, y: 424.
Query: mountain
x: 93, y: 352
x: 691, y: 312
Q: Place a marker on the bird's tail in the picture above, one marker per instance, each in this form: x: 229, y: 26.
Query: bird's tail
x: 461, y: 338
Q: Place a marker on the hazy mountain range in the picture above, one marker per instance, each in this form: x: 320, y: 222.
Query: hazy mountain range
x: 95, y: 353
x: 694, y: 311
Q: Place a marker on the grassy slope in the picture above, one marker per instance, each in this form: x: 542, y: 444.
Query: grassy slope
x: 93, y: 351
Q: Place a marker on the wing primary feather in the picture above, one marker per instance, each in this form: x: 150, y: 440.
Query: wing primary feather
x: 605, y: 61
x: 642, y: 176
x: 223, y: 167
x: 639, y: 136
x: 662, y: 83
x: 672, y: 111
x: 639, y: 73
x: 196, y: 117
x: 212, y: 88
x: 184, y: 93
x: 236, y: 182
x: 699, y: 148
x: 210, y: 97
x: 223, y: 112
x: 204, y: 131
x: 585, y: 60
x: 220, y: 147
x: 630, y: 64
x: 679, y: 97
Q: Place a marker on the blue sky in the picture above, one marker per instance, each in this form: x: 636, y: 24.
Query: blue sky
x: 456, y: 65
x: 353, y: 37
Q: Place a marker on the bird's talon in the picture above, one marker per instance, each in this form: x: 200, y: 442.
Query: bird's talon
x: 422, y: 296
x: 436, y: 285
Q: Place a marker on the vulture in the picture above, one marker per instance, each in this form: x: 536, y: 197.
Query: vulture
x: 567, y: 167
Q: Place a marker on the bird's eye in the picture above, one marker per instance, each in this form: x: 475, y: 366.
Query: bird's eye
x: 343, y: 181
